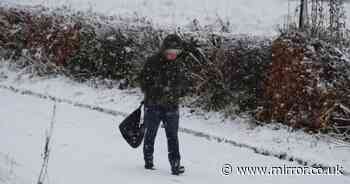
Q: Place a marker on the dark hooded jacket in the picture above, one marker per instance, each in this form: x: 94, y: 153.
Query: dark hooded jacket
x: 164, y: 82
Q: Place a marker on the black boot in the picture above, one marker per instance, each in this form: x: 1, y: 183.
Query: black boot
x: 149, y: 165
x: 176, y: 168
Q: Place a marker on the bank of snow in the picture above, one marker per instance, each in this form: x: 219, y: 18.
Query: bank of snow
x: 87, y: 149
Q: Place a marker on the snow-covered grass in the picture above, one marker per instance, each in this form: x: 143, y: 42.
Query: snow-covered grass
x: 257, y: 17
x: 272, y: 138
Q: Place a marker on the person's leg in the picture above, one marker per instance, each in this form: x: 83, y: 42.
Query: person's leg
x: 151, y: 121
x: 171, y: 123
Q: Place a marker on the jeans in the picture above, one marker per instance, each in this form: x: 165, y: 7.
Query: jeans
x: 154, y: 114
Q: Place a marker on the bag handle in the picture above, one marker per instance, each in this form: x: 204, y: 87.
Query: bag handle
x: 140, y: 107
x: 141, y: 104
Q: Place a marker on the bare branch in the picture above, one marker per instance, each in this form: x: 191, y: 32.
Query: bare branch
x: 47, y: 148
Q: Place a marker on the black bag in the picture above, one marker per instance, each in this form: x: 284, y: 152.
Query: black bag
x: 132, y: 129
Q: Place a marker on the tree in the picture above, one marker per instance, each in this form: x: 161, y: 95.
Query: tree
x: 303, y: 18
x: 336, y: 19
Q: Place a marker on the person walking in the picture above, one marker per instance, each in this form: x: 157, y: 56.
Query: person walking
x: 163, y: 83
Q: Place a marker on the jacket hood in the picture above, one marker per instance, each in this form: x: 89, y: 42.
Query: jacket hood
x: 172, y: 41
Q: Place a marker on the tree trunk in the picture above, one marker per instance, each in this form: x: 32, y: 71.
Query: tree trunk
x: 303, y: 19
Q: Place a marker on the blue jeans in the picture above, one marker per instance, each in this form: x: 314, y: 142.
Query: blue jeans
x: 154, y: 114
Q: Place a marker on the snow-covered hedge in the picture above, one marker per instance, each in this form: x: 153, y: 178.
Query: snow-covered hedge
x: 234, y: 74
x: 74, y: 43
x: 89, y: 46
x: 306, y: 83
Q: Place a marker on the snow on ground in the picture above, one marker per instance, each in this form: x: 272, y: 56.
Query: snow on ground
x: 94, y: 135
x: 257, y: 17
x: 87, y: 148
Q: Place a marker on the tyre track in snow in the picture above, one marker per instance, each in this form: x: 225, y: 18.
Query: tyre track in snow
x: 282, y: 156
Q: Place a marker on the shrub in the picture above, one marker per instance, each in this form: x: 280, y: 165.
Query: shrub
x: 306, y: 79
x: 234, y: 73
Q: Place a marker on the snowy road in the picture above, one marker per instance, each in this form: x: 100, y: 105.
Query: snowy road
x: 87, y: 148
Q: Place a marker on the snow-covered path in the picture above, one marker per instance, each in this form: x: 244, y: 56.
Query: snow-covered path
x: 87, y: 148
